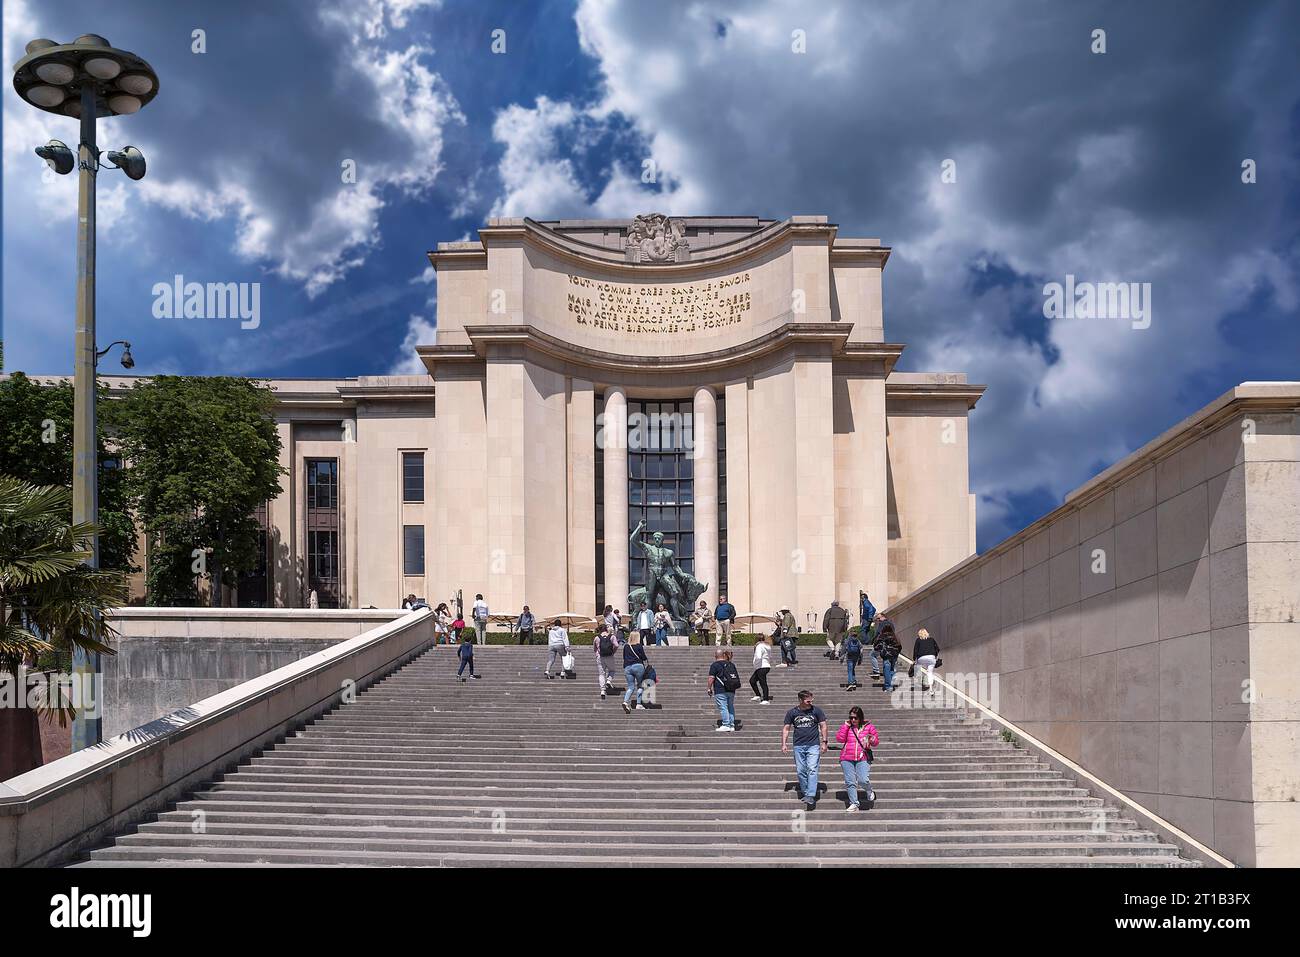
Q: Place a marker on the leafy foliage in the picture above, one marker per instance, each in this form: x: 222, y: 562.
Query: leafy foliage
x: 48, y: 595
x: 36, y: 446
x: 204, y: 454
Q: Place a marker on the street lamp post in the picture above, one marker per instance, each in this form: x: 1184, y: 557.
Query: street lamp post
x: 85, y: 79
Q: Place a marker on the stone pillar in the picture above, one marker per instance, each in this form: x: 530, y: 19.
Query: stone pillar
x: 704, y: 455
x: 613, y: 436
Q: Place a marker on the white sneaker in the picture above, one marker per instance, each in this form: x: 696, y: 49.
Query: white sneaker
x: 640, y: 707
x: 721, y: 727
x: 851, y: 809
x: 756, y: 698
x: 765, y: 702
x: 728, y: 728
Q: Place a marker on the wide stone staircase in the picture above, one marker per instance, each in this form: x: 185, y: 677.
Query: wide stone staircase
x: 517, y: 770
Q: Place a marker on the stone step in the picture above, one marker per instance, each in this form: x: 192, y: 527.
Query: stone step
x: 160, y: 856
x: 212, y: 804
x: 584, y: 841
x: 905, y: 821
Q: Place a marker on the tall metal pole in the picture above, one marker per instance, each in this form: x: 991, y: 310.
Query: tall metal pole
x: 87, y: 727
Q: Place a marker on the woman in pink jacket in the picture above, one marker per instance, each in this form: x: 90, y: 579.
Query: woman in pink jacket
x: 858, y: 738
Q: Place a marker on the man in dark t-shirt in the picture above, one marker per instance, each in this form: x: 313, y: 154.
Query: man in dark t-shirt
x: 809, y: 724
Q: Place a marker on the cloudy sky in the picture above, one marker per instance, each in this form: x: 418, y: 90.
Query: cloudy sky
x: 1122, y: 166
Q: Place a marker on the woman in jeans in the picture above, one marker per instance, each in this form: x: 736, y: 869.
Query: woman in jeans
x: 663, y: 624
x: 762, y: 665
x: 634, y: 666
x: 925, y: 652
x: 858, y: 739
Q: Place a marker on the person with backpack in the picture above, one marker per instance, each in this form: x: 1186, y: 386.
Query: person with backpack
x: 480, y: 619
x: 557, y: 645
x: 457, y: 628
x: 635, y: 664
x: 606, y: 646
x: 809, y: 725
x: 852, y: 658
x: 762, y: 665
x: 466, y: 655
x: 723, y: 683
x: 858, y: 738
x: 526, y: 624
x: 925, y: 655
x: 835, y: 623
x: 888, y: 648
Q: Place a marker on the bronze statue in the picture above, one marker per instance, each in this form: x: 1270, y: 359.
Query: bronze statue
x: 666, y: 583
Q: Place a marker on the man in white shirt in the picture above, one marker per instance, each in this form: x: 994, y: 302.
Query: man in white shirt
x: 645, y: 622
x: 480, y: 619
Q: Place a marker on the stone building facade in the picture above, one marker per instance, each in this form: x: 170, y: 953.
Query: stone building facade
x: 724, y: 380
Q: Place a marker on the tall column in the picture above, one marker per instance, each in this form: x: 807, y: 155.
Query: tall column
x: 613, y: 440
x: 704, y: 453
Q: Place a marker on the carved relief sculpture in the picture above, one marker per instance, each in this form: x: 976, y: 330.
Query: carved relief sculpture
x: 654, y: 237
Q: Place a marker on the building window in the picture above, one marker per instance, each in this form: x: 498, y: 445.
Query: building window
x: 322, y: 483
x: 412, y: 476
x: 253, y: 589
x: 412, y: 549
x: 323, y: 536
x: 660, y: 481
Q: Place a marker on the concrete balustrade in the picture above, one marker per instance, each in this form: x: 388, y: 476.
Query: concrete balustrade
x: 49, y: 815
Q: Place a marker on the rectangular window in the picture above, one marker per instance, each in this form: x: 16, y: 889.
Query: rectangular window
x: 412, y: 476
x: 412, y: 549
x: 322, y: 483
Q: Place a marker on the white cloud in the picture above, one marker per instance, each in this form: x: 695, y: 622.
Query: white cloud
x: 419, y: 331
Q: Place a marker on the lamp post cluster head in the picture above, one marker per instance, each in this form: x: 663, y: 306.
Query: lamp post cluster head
x: 52, y: 77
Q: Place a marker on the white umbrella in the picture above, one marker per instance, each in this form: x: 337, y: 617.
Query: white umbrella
x: 754, y: 618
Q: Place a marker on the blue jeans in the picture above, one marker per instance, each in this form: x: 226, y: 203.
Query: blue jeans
x: 726, y: 702
x: 889, y: 674
x: 633, y: 675
x: 852, y: 676
x: 467, y: 660
x: 661, y: 636
x: 857, y: 774
x: 807, y: 761
x: 875, y: 662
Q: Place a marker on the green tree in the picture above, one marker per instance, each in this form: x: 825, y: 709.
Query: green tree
x: 50, y: 600
x: 36, y: 446
x: 204, y: 453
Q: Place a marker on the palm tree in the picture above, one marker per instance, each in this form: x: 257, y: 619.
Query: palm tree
x: 50, y: 599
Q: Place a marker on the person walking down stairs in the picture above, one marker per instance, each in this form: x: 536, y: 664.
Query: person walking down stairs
x: 723, y: 683
x: 762, y: 665
x: 466, y: 655
x: 810, y: 742
x: 635, y: 663
x: 858, y: 738
x: 925, y: 655
x: 606, y: 646
x: 557, y: 646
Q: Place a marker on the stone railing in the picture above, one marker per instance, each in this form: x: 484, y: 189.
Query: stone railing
x: 50, y: 815
x: 1146, y: 629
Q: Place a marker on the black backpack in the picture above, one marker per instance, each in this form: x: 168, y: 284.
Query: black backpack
x: 730, y: 677
x: 606, y: 645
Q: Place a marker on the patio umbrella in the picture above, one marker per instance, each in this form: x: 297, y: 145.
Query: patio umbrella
x: 753, y: 618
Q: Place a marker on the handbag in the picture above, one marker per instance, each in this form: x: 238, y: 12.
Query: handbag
x: 938, y: 662
x: 866, y: 753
